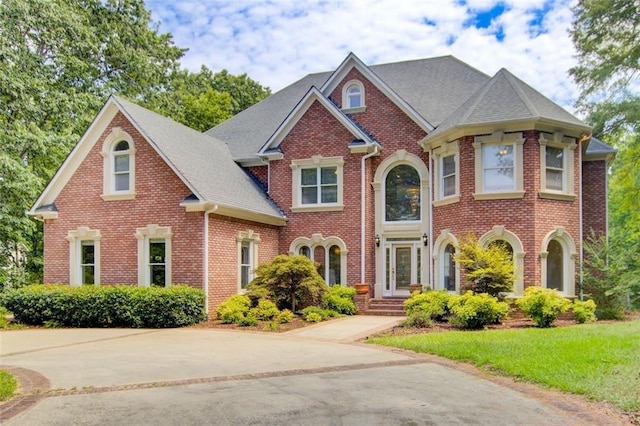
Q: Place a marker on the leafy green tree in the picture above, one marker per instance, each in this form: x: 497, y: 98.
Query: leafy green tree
x: 59, y: 60
x: 289, y: 280
x: 488, y: 270
x: 204, y: 99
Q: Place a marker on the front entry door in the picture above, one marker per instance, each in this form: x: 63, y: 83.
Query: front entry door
x: 403, y: 269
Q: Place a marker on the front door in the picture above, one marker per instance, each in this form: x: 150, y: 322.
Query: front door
x: 402, y: 267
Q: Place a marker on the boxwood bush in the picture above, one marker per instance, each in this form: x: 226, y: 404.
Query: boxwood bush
x: 340, y: 299
x: 543, y: 305
x: 474, y: 311
x: 106, y: 306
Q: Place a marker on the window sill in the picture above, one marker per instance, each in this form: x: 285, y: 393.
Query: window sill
x: 317, y: 208
x: 499, y: 195
x: 445, y: 201
x: 119, y: 197
x: 354, y: 110
x: 556, y: 196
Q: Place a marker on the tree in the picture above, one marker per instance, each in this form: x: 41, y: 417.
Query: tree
x: 204, y: 99
x: 59, y: 60
x: 290, y: 280
x: 488, y: 270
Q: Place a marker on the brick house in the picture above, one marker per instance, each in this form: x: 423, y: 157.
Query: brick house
x: 374, y: 172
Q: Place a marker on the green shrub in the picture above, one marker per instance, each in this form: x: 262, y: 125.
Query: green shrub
x: 265, y: 311
x: 291, y: 281
x: 315, y: 310
x: 313, y: 317
x: 543, y: 305
x: 234, y: 309
x: 584, y: 311
x: 418, y: 319
x: 284, y: 316
x: 432, y: 303
x: 106, y: 306
x: 474, y: 311
x: 340, y: 299
x: 248, y: 320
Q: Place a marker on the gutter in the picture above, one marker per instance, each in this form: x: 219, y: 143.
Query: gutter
x: 376, y: 151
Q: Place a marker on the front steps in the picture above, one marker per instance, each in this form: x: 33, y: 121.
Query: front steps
x: 389, y: 306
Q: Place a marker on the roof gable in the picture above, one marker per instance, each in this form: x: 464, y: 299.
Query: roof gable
x: 203, y: 163
x: 313, y: 95
x: 352, y: 61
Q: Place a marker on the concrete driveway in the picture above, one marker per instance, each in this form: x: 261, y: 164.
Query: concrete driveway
x: 208, y: 376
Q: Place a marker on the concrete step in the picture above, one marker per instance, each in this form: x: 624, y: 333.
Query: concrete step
x: 386, y: 306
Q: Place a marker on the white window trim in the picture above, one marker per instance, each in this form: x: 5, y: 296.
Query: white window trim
x: 108, y: 189
x: 75, y: 239
x: 254, y: 240
x: 317, y: 161
x: 498, y: 233
x: 568, y: 146
x: 500, y: 138
x: 144, y: 236
x: 446, y: 150
x: 569, y: 257
x: 317, y: 240
x: 444, y: 239
x: 345, y: 97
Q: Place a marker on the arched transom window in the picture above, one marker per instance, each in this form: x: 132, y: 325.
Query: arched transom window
x: 402, y: 194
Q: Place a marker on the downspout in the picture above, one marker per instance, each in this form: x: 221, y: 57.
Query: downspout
x: 206, y: 258
x: 581, y: 294
x: 430, y: 254
x: 376, y: 150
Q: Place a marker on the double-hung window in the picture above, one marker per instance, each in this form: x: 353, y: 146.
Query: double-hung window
x: 556, y: 166
x: 119, y: 166
x: 317, y: 184
x: 448, y: 176
x: 498, y: 168
x: 157, y: 262
x: 154, y: 255
x: 247, y: 242
x: 87, y: 262
x: 447, y: 172
x: 84, y: 256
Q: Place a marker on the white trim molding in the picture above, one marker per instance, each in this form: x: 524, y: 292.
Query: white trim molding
x: 445, y: 151
x: 75, y: 238
x: 569, y: 257
x: 144, y: 236
x: 316, y: 162
x: 109, y: 192
x: 254, y: 240
x: 568, y: 147
x: 514, y: 140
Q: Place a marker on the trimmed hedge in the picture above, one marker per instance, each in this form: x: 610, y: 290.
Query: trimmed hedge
x: 106, y: 306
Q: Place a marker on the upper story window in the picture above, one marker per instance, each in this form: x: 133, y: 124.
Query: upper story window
x: 118, y: 151
x: 353, y: 96
x: 402, y: 194
x: 317, y: 184
x: 121, y: 167
x: 499, y: 166
x: 556, y: 167
x: 447, y: 166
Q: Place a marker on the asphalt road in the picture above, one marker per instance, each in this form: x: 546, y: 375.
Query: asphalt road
x: 214, y: 377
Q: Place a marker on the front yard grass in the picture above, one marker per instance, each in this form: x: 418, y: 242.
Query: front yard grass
x: 8, y: 385
x: 600, y: 361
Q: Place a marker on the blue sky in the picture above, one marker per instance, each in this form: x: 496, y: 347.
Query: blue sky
x: 277, y: 42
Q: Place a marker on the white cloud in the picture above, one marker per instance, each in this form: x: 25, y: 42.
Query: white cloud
x: 278, y: 42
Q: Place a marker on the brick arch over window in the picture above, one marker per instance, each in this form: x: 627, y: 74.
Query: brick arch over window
x: 441, y: 260
x: 109, y: 145
x: 499, y: 233
x: 298, y: 245
x: 568, y: 258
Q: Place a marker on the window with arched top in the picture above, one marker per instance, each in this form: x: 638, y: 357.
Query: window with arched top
x: 353, y: 95
x: 119, y: 167
x: 329, y: 255
x: 555, y: 266
x: 402, y: 194
x: 449, y: 268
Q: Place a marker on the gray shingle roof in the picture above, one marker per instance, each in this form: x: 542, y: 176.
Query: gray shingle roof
x: 203, y: 162
x: 505, y: 98
x: 434, y: 87
x: 597, y: 147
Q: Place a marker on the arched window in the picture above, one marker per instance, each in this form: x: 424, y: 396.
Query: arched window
x: 353, y: 95
x: 402, y: 194
x: 504, y: 244
x: 449, y: 268
x: 305, y: 251
x: 555, y: 266
x: 329, y: 254
x: 121, y: 167
x: 333, y: 270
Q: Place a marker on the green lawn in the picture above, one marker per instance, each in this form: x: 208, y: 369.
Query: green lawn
x: 8, y: 385
x: 601, y: 361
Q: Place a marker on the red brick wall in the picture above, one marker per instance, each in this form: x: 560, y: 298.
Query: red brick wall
x: 223, y: 254
x: 530, y: 218
x: 158, y: 194
x: 594, y: 197
x: 261, y: 173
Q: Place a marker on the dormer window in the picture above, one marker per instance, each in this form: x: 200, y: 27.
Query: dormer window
x: 353, y: 96
x: 119, y: 166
